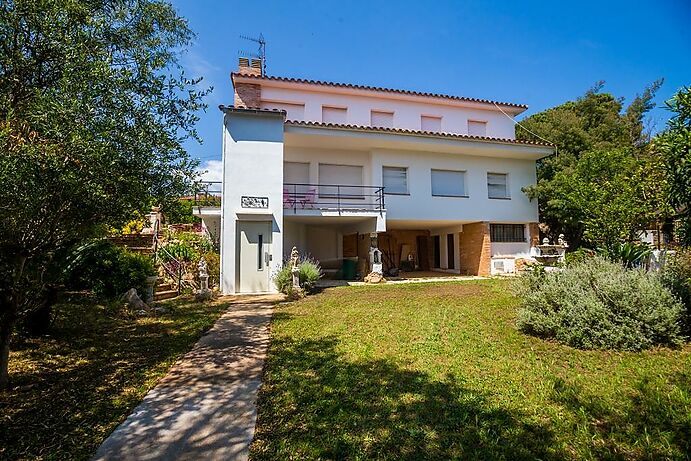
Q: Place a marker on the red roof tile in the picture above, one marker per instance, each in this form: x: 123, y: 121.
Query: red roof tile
x: 416, y: 132
x: 376, y: 88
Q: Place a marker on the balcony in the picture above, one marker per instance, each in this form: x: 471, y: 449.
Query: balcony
x: 305, y: 199
x: 208, y: 194
x: 298, y: 197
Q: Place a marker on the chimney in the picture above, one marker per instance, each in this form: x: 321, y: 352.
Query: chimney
x: 248, y: 66
x: 248, y: 94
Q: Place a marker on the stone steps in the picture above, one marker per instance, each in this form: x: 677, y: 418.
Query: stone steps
x: 164, y: 287
x: 168, y: 294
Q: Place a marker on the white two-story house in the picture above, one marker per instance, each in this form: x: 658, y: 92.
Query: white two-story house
x: 327, y: 167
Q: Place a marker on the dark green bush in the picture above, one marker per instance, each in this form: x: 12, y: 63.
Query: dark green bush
x: 107, y: 270
x: 676, y: 275
x: 310, y: 273
x: 598, y: 304
x: 578, y: 256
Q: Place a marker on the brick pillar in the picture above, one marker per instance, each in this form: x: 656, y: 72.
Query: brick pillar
x: 475, y: 249
x: 534, y: 231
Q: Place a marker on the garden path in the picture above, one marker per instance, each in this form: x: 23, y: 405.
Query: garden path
x: 204, y: 408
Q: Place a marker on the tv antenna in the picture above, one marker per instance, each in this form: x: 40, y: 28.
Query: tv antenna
x: 259, y: 54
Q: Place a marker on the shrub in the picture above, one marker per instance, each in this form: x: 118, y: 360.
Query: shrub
x: 310, y: 272
x: 676, y: 275
x: 598, y: 304
x: 201, y: 242
x: 182, y: 251
x: 107, y: 270
x: 577, y: 256
x: 629, y: 254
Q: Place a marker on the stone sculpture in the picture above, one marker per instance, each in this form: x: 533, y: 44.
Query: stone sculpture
x: 204, y: 292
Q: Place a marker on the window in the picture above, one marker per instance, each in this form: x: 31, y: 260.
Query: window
x: 349, y: 176
x: 294, y: 111
x: 334, y: 114
x: 260, y: 250
x: 447, y: 183
x: 497, y: 185
x: 477, y: 128
x: 296, y: 173
x: 381, y: 119
x: 395, y: 180
x: 507, y: 232
x: 430, y: 123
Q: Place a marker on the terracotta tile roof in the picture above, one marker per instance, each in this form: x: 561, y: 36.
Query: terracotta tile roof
x: 416, y: 132
x: 253, y: 110
x: 376, y: 88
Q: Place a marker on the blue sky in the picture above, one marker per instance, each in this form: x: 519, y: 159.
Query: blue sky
x: 536, y: 53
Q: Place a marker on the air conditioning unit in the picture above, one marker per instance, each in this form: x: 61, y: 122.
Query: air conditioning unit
x: 503, y: 266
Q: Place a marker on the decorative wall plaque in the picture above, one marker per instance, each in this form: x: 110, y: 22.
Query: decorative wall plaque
x: 254, y: 202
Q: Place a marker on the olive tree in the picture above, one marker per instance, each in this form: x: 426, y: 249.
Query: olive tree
x: 94, y: 108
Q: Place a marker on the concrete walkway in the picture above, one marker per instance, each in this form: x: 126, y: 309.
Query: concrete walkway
x: 204, y: 408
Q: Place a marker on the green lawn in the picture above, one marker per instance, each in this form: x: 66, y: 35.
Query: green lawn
x: 438, y: 371
x: 72, y: 388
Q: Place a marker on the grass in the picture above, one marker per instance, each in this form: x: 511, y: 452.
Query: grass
x: 70, y: 389
x: 439, y: 371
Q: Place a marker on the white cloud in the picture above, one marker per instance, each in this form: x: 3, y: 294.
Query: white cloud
x: 212, y: 170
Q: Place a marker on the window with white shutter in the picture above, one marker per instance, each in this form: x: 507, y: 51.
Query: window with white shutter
x: 348, y: 177
x: 448, y: 183
x: 477, y: 128
x: 395, y: 180
x: 430, y: 123
x: 296, y: 176
x: 334, y: 114
x: 381, y: 119
x: 497, y: 185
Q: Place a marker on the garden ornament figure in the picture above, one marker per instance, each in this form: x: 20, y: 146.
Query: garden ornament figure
x: 561, y: 241
x: 295, y: 267
x: 204, y: 293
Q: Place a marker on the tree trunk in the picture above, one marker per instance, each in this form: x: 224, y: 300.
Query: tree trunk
x: 5, y: 335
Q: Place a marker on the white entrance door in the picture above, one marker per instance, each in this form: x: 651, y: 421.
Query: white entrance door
x: 255, y: 251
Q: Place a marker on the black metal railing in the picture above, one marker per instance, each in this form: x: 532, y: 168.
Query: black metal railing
x: 303, y: 196
x: 334, y: 197
x: 208, y: 194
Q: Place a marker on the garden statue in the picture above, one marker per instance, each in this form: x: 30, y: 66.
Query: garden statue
x: 561, y: 241
x: 375, y: 260
x: 204, y: 293
x: 295, y: 267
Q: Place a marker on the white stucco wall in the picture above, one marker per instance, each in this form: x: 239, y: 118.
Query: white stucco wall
x: 331, y: 156
x: 407, y: 114
x: 515, y: 249
x: 252, y: 166
x: 421, y: 205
